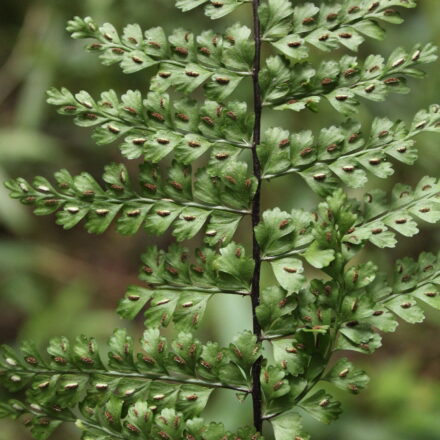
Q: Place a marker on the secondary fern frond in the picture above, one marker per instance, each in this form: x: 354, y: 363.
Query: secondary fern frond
x: 127, y: 375
x: 179, y: 291
x: 158, y: 205
x: 136, y: 50
x: 342, y: 152
x: 328, y: 26
x: 141, y: 420
x: 339, y: 221
x: 341, y: 82
x: 157, y: 126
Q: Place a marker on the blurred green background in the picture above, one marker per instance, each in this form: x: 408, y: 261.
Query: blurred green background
x: 54, y: 282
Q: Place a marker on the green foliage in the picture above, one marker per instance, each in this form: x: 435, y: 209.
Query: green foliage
x: 157, y: 126
x: 158, y: 204
x: 179, y: 291
x: 342, y: 154
x: 341, y: 82
x: 194, y: 142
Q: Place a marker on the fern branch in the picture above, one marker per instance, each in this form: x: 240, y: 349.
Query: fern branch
x: 78, y: 369
x: 113, y: 422
x: 415, y: 280
x: 342, y: 83
x: 228, y: 271
x: 377, y: 218
x: 208, y: 290
x: 135, y: 52
x: 363, y: 304
x: 81, y: 196
x: 329, y: 26
x: 344, y: 148
x: 178, y: 126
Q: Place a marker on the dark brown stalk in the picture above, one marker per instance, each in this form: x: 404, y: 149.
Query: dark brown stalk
x: 256, y: 370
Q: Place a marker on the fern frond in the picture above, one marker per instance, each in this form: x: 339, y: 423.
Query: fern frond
x: 116, y: 421
x: 341, y: 82
x: 214, y: 9
x: 157, y: 126
x: 342, y: 154
x: 342, y: 222
x: 75, y: 370
x: 156, y: 205
x: 179, y: 291
x: 160, y: 391
x: 136, y: 50
x: 328, y: 26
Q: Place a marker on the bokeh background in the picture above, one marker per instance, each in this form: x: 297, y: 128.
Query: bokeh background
x: 54, y: 282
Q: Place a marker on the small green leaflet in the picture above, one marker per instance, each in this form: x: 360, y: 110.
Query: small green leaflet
x: 346, y: 377
x: 288, y: 426
x: 322, y: 407
x: 288, y: 272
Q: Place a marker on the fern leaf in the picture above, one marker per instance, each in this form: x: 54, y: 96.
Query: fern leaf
x: 157, y: 205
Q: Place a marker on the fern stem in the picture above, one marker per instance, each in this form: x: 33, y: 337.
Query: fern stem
x: 408, y: 205
x: 286, y: 254
x: 431, y: 279
x: 100, y: 428
x: 146, y: 376
x: 201, y: 289
x: 150, y: 201
x: 256, y: 208
x: 242, y: 145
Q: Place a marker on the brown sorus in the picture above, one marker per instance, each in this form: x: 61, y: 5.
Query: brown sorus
x: 181, y: 50
x: 327, y: 81
x: 305, y: 151
x: 182, y: 116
